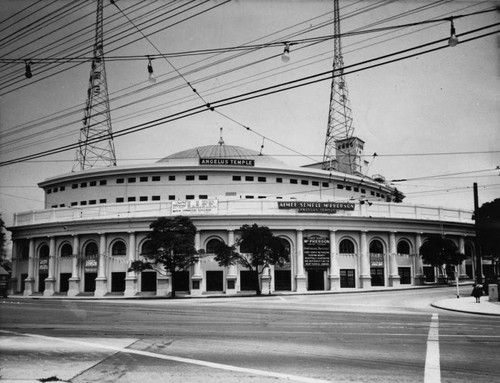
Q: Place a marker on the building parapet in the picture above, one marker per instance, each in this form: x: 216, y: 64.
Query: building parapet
x: 234, y: 208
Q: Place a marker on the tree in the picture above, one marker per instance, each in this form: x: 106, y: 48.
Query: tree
x: 398, y: 197
x: 3, y: 251
x: 171, y: 245
x: 259, y: 249
x: 488, y: 227
x: 439, y: 251
x: 488, y: 222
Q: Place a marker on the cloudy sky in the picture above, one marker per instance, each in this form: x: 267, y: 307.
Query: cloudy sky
x: 432, y: 119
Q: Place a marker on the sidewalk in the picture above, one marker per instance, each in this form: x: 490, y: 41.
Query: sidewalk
x: 466, y: 304
x: 469, y: 305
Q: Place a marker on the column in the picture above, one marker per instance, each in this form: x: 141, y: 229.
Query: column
x: 300, y: 277
x: 462, y: 271
x: 334, y: 267
x: 232, y: 270
x: 30, y: 281
x: 365, y: 278
x: 418, y: 276
x: 266, y: 281
x: 394, y: 278
x: 197, y: 278
x: 74, y: 281
x: 131, y: 278
x: 101, y: 280
x: 13, y: 280
x: 50, y: 281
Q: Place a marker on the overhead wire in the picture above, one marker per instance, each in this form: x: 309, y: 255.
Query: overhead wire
x: 250, y: 95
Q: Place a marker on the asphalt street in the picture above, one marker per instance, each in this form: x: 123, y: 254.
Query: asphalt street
x: 394, y: 336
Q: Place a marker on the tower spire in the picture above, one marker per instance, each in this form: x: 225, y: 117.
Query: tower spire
x: 96, y: 147
x: 339, y: 148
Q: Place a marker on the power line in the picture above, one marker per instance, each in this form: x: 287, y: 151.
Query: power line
x: 36, y: 123
x: 258, y: 93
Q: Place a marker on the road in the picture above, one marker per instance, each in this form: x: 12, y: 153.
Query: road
x: 393, y: 336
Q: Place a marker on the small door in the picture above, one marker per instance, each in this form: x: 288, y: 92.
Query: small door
x: 181, y: 281
x: 430, y: 276
x: 148, y: 281
x: 347, y: 278
x: 282, y: 280
x: 215, y: 281
x: 23, y: 282
x: 404, y: 275
x: 118, y: 282
x: 247, y: 281
x: 41, y: 281
x: 315, y: 280
x: 89, y: 282
x: 64, y: 282
x: 377, y: 274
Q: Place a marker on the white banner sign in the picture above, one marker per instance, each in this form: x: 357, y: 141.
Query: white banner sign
x: 202, y: 206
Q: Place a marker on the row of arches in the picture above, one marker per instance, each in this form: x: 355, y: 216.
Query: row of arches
x: 119, y: 248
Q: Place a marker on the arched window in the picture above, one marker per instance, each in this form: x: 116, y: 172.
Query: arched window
x: 245, y: 247
x: 91, y: 249
x: 403, y: 247
x: 346, y: 246
x: 212, y: 245
x: 44, y: 251
x: 66, y: 250
x: 286, y: 244
x: 147, y: 248
x: 376, y: 247
x: 119, y: 248
x: 469, y: 251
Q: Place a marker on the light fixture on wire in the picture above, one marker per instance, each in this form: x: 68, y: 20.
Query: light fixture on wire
x: 27, y: 69
x: 453, y: 40
x: 151, y: 76
x: 285, y: 57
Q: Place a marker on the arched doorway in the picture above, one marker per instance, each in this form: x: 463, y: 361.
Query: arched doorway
x: 377, y: 263
x: 43, y: 267
x: 90, y: 268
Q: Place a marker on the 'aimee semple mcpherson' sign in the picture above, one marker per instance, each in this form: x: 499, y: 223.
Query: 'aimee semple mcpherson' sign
x: 315, y: 207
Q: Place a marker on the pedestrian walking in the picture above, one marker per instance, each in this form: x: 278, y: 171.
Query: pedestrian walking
x: 477, y: 291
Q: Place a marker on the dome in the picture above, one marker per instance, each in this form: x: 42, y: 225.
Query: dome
x: 191, y: 156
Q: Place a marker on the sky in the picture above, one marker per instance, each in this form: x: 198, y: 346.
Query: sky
x: 432, y: 119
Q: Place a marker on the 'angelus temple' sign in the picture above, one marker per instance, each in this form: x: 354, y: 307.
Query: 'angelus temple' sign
x: 316, y: 251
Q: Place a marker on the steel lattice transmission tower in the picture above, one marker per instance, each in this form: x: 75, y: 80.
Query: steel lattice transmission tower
x: 96, y: 147
x: 342, y: 150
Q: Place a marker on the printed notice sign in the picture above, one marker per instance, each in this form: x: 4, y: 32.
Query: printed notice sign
x: 316, y: 251
x: 195, y: 207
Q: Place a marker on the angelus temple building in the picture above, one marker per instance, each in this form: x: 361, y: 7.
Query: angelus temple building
x: 343, y: 231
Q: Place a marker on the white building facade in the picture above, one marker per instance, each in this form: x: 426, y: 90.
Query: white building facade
x: 343, y: 231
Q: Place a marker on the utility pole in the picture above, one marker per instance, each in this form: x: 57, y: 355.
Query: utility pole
x: 479, y: 271
x: 96, y: 145
x: 339, y: 116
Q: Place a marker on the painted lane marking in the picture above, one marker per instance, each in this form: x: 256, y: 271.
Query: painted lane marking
x: 202, y: 363
x: 432, y: 362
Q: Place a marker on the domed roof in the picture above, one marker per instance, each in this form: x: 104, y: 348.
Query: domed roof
x: 219, y: 151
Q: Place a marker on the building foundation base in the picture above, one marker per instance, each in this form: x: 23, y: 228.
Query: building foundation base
x: 301, y: 283
x: 100, y: 287
x: 49, y: 287
x: 163, y: 286
x: 130, y: 286
x: 365, y: 281
x: 74, y: 287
